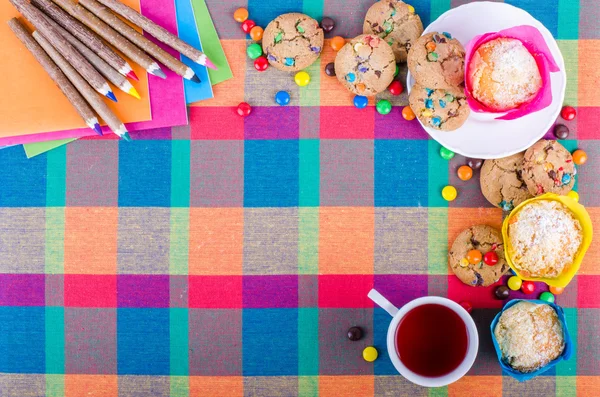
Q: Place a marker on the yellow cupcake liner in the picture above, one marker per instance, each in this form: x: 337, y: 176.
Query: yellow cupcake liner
x: 579, y: 212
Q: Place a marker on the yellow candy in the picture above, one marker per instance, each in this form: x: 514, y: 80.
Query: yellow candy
x: 574, y: 195
x: 302, y: 78
x: 514, y: 283
x: 427, y: 113
x: 449, y: 193
x: 411, y: 8
x: 464, y: 262
x: 370, y: 354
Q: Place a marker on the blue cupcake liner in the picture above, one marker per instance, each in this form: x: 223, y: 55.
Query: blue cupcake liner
x: 566, y: 354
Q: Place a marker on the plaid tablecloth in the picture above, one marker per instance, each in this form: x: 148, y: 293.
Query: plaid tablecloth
x: 229, y: 257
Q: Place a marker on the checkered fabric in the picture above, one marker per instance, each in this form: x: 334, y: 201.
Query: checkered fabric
x: 230, y: 256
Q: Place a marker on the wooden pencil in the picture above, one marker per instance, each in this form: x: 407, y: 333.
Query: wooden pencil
x: 83, y: 34
x: 160, y: 33
x: 104, y: 68
x: 112, y: 36
x: 36, y: 18
x: 136, y: 38
x: 84, y: 88
x: 80, y: 105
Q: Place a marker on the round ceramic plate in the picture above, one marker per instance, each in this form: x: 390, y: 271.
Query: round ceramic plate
x: 481, y: 136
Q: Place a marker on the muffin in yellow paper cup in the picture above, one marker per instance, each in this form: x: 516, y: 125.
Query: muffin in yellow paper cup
x: 577, y: 211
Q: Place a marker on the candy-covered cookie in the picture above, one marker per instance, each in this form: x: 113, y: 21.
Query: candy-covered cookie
x: 548, y: 168
x: 396, y: 23
x: 442, y: 109
x: 436, y: 60
x: 502, y: 182
x: 292, y: 42
x: 365, y: 65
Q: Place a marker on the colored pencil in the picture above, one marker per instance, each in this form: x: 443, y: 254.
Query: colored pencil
x: 36, y: 18
x: 84, y: 88
x: 136, y: 38
x: 80, y: 105
x: 104, y: 68
x: 84, y: 35
x: 112, y: 36
x: 160, y: 33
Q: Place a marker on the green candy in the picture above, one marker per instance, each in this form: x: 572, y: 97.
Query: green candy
x: 432, y: 57
x: 254, y: 51
x: 279, y: 37
x: 384, y: 106
x: 446, y: 154
x: 547, y: 297
x: 397, y: 71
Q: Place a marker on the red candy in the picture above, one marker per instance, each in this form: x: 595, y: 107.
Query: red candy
x: 568, y: 113
x: 396, y: 88
x: 466, y: 305
x: 244, y: 109
x: 247, y: 25
x: 490, y: 258
x: 261, y: 64
x: 528, y: 287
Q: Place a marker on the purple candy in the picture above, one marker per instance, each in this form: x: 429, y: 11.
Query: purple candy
x: 271, y: 57
x: 363, y: 69
x: 315, y: 49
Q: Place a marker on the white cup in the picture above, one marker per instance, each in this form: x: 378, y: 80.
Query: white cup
x: 398, y: 314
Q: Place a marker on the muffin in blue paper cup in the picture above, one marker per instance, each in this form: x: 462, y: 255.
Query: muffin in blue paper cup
x: 530, y: 337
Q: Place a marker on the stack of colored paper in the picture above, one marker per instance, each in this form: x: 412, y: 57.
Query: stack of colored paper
x: 37, y: 115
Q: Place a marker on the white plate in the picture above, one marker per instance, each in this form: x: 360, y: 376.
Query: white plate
x: 481, y: 136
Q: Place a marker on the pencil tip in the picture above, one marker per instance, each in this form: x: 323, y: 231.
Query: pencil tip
x: 110, y: 95
x: 195, y: 78
x: 157, y: 71
x: 209, y: 64
x: 132, y: 75
x: 126, y: 136
x: 98, y: 129
x: 133, y: 92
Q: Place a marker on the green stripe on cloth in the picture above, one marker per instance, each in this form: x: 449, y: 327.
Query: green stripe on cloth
x: 569, y: 367
x: 309, y: 172
x: 438, y: 391
x: 437, y: 241
x: 178, y: 328
x: 55, y: 240
x: 179, y: 241
x: 310, y: 94
x: 570, y: 52
x: 308, y: 342
x: 56, y: 177
x: 566, y: 386
x: 308, y: 240
x: 180, y: 173
x: 568, y: 19
x: 55, y: 385
x: 180, y: 386
x: 55, y: 340
x: 437, y: 177
x: 313, y: 8
x: 308, y: 386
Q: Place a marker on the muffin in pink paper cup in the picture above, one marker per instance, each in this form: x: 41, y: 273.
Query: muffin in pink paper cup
x: 508, y: 72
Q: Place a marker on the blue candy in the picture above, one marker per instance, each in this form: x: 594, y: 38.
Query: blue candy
x: 350, y: 77
x: 429, y: 91
x: 289, y: 61
x: 448, y: 35
x: 361, y: 101
x: 436, y: 121
x: 282, y: 98
x: 428, y: 103
x: 442, y: 103
x: 566, y: 179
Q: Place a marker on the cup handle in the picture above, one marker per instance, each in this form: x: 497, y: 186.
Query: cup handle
x: 382, y: 302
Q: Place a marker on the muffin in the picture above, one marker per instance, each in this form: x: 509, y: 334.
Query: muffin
x: 365, y: 65
x: 292, y: 41
x: 444, y: 109
x: 436, y: 60
x: 396, y: 23
x: 503, y: 74
x: 529, y: 335
x: 545, y: 236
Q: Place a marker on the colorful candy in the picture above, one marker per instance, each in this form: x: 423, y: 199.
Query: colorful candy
x: 302, y: 78
x: 360, y: 87
x: 254, y: 51
x: 240, y: 15
x: 261, y: 64
x: 327, y: 24
x: 408, y: 113
x: 579, y: 157
x: 449, y: 193
x: 337, y: 43
x: 330, y: 69
x: 568, y: 113
x: 256, y: 33
x: 370, y: 354
x: 547, y: 297
x: 464, y: 262
x: 446, y: 153
x: 244, y: 109
x: 528, y: 287
x: 514, y: 283
x: 465, y: 172
x: 474, y: 163
x: 502, y: 292
x: 282, y: 98
x: 396, y: 88
x: 490, y: 258
x: 411, y: 9
x: 474, y: 257
x: 466, y: 305
x: 397, y: 71
x: 355, y: 333
x: 561, y: 131
x: 360, y: 101
x: 556, y: 290
x: 247, y: 25
x: 574, y: 195
x: 383, y: 106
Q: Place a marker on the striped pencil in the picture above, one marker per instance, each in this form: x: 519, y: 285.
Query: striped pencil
x: 84, y: 35
x: 104, y: 68
x: 136, y: 38
x: 36, y: 18
x: 160, y: 33
x: 113, y: 37
x: 84, y: 88
x: 80, y: 105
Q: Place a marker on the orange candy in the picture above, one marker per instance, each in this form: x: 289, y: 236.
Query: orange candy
x: 408, y: 113
x: 256, y: 33
x: 240, y: 15
x: 474, y: 257
x: 556, y: 290
x: 465, y: 172
x: 360, y: 87
x: 337, y: 43
x: 579, y: 157
x: 430, y: 46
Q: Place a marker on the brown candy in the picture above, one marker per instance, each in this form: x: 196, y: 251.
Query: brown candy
x: 327, y: 24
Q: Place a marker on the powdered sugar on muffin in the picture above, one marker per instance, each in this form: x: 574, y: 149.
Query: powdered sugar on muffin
x: 545, y: 237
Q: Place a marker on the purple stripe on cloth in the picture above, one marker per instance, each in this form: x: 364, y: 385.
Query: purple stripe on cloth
x: 393, y: 126
x: 154, y: 133
x: 270, y: 291
x: 55, y: 290
x: 142, y: 291
x: 401, y: 289
x: 22, y: 290
x: 272, y: 122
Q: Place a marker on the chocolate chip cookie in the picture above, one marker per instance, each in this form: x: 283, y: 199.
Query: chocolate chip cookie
x: 483, y: 238
x: 395, y: 22
x: 548, y: 168
x: 436, y: 60
x: 292, y: 42
x: 502, y: 182
x: 365, y: 65
x: 443, y: 109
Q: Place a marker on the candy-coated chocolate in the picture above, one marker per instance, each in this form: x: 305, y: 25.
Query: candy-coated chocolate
x: 247, y: 25
x: 502, y: 292
x: 361, y: 101
x: 561, y: 131
x: 466, y: 305
x: 240, y: 15
x: 327, y: 24
x: 557, y: 290
x: 302, y: 78
x: 579, y: 157
x: 337, y: 43
x: 446, y: 153
x: 464, y: 262
x: 254, y: 51
x: 383, y: 106
x: 396, y: 88
x: 449, y: 193
x: 574, y: 195
x: 568, y: 113
x: 465, y: 172
x: 490, y: 258
x: 330, y: 69
x: 514, y: 283
x: 282, y: 98
x: 244, y: 109
x: 528, y: 287
x: 355, y: 333
x: 256, y: 33
x: 397, y: 71
x: 261, y: 64
x: 408, y: 113
x: 370, y: 354
x: 474, y: 163
x: 474, y: 257
x: 547, y: 297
